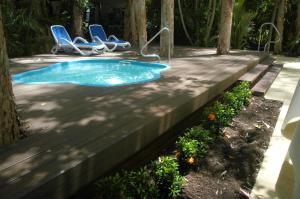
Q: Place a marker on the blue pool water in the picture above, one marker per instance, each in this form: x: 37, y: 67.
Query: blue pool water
x: 104, y: 72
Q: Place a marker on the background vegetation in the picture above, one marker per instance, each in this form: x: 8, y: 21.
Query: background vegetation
x: 27, y: 23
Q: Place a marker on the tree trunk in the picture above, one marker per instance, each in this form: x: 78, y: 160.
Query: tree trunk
x: 167, y: 20
x: 273, y: 22
x: 77, y: 20
x: 135, y: 29
x: 225, y: 27
x: 127, y: 13
x: 141, y: 22
x: 133, y: 25
x: 183, y: 23
x: 280, y: 25
x: 298, y: 20
x: 9, y: 122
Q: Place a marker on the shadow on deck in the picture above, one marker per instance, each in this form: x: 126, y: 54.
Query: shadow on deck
x: 78, y: 133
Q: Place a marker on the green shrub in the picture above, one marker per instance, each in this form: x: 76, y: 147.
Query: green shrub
x: 128, y: 184
x: 167, y: 176
x: 111, y: 187
x: 200, y: 134
x: 139, y: 184
x: 223, y: 115
x: 243, y: 92
x: 189, y: 151
x: 233, y: 100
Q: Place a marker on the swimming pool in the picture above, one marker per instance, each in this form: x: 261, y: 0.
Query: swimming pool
x: 94, y: 72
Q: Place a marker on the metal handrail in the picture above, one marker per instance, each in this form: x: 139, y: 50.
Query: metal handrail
x: 148, y: 42
x: 269, y: 42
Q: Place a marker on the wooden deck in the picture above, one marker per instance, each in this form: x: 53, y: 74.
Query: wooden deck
x: 78, y: 133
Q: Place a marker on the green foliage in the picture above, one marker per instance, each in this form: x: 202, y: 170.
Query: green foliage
x: 189, y: 151
x: 83, y: 4
x: 132, y: 184
x: 243, y: 92
x: 163, y: 180
x: 19, y: 30
x: 233, y: 100
x: 111, y: 187
x: 25, y: 33
x: 293, y: 46
x: 139, y: 184
x: 200, y: 134
x: 223, y: 112
x: 167, y: 176
x: 241, y: 22
x: 220, y: 113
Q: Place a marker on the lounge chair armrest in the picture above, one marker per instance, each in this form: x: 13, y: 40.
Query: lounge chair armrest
x: 98, y: 40
x: 63, y: 41
x: 80, y: 39
x: 113, y: 38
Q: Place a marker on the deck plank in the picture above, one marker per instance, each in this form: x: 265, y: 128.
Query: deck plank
x: 79, y: 133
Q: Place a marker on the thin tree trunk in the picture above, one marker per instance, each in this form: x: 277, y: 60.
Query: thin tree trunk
x: 197, y: 23
x: 183, y: 24
x: 167, y: 20
x: 9, y: 122
x: 225, y: 27
x: 273, y: 22
x: 298, y: 20
x: 210, y: 22
x: 141, y: 22
x: 127, y: 13
x: 133, y: 25
x: 77, y: 20
x: 280, y: 26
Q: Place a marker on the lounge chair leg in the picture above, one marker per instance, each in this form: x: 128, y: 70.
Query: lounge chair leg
x: 54, y: 50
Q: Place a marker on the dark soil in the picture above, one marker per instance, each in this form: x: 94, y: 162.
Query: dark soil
x: 232, y: 163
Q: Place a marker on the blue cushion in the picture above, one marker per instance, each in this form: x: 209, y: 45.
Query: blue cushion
x: 97, y: 30
x: 60, y: 33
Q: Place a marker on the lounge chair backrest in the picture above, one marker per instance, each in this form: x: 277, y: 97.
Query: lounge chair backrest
x: 97, y: 30
x: 60, y: 33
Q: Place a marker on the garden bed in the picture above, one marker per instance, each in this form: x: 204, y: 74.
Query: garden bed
x: 232, y: 163
x: 217, y: 156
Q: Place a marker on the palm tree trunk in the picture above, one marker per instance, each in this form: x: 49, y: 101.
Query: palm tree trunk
x: 135, y: 29
x: 280, y: 25
x: 167, y: 20
x: 141, y: 22
x: 126, y: 30
x: 77, y: 20
x: 225, y: 27
x: 9, y: 121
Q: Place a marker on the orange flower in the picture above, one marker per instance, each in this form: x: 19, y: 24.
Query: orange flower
x: 191, y: 160
x: 211, y: 117
x: 177, y: 154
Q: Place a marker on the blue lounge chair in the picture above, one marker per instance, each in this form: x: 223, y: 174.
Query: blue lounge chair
x: 64, y: 42
x: 98, y: 34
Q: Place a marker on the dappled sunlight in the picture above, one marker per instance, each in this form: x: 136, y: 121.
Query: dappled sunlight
x: 45, y: 106
x: 94, y: 118
x: 73, y: 127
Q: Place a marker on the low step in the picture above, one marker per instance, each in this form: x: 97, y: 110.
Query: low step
x: 254, y: 74
x: 257, y: 72
x: 262, y: 86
